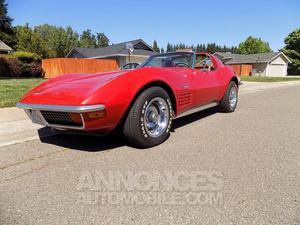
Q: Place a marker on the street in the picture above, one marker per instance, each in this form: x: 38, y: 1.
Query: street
x: 254, y: 150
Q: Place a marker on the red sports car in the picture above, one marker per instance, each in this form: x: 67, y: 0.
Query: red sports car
x: 142, y: 102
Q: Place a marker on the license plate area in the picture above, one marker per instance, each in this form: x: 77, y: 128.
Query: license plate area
x: 37, y: 117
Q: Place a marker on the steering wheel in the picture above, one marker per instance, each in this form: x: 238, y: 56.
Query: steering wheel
x: 182, y: 64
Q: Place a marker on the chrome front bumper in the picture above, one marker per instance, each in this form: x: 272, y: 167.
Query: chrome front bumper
x: 62, y: 108
x: 36, y: 109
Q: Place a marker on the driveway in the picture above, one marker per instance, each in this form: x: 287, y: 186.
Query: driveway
x: 248, y: 162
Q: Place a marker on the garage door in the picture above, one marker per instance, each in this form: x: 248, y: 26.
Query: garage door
x: 277, y: 70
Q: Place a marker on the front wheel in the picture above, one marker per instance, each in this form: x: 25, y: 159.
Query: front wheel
x: 149, y: 119
x: 230, y: 99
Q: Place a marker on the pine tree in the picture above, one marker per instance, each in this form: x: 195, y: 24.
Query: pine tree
x: 7, y: 32
x: 169, y: 48
x: 155, y: 46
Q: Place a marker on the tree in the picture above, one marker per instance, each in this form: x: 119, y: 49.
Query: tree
x: 209, y: 47
x: 169, y: 48
x: 155, y: 46
x: 73, y: 38
x: 87, y: 39
x: 56, y: 41
x: 7, y: 32
x: 102, y: 40
x: 292, y: 50
x: 253, y: 45
x: 46, y: 40
x: 52, y: 41
x: 28, y: 40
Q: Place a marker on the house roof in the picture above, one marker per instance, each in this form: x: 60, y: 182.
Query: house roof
x: 4, y: 47
x: 230, y: 58
x: 140, y: 48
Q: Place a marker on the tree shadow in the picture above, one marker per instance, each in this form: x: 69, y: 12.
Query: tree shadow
x: 83, y: 142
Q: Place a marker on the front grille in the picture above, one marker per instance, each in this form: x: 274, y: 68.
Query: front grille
x: 59, y: 118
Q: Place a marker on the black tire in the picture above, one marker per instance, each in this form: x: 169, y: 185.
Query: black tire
x: 225, y: 105
x: 134, y: 127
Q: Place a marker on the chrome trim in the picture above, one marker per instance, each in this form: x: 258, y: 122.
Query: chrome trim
x: 62, y: 108
x: 194, y: 60
x: 66, y: 126
x: 45, y: 123
x: 156, y: 117
x: 197, y: 109
x: 233, y: 97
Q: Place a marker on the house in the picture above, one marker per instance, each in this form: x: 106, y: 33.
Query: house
x: 4, y: 48
x: 273, y: 64
x: 136, y: 51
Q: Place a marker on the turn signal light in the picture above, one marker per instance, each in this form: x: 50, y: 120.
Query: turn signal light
x: 75, y: 117
x: 96, y: 115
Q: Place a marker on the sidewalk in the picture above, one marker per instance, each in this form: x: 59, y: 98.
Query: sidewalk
x: 251, y: 87
x: 15, y: 126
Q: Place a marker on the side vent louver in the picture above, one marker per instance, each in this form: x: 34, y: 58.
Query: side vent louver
x: 185, y: 99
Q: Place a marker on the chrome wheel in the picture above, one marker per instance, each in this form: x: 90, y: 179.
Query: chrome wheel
x: 233, y: 97
x: 156, y: 117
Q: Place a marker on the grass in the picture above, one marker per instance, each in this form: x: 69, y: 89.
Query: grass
x: 268, y: 79
x: 11, y: 90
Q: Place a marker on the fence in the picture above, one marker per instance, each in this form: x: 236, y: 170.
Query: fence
x: 58, y: 66
x: 242, y: 69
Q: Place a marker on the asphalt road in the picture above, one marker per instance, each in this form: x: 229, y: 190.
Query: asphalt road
x: 253, y: 153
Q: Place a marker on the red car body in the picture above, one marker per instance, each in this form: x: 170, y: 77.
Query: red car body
x: 102, y: 99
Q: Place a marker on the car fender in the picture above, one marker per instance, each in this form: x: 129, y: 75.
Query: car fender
x: 119, y: 94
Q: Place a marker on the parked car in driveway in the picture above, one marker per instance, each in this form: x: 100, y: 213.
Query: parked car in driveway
x: 143, y: 102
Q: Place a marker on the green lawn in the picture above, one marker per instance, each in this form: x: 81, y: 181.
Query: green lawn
x: 12, y: 89
x: 268, y: 79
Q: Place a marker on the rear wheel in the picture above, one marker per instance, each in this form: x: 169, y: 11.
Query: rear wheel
x: 149, y: 119
x: 230, y: 99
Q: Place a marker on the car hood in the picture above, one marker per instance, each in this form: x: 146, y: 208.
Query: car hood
x: 71, y: 89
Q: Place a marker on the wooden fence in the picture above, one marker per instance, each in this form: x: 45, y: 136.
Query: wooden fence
x: 59, y: 66
x: 242, y: 69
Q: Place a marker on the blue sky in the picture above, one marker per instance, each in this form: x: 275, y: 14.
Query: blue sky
x: 189, y: 21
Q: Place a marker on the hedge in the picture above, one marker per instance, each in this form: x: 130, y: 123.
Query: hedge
x: 14, y: 67
x: 26, y: 57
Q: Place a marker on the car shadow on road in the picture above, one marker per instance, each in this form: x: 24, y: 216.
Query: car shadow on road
x: 182, y: 121
x: 82, y: 142
x: 110, y: 141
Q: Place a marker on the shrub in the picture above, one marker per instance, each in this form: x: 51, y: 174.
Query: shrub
x: 36, y: 69
x: 12, y: 67
x: 4, y: 67
x: 15, y: 69
x: 26, y: 57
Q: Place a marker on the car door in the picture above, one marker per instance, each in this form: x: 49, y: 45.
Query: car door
x: 205, y: 81
x: 184, y: 92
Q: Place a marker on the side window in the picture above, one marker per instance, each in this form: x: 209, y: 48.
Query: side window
x: 204, y: 63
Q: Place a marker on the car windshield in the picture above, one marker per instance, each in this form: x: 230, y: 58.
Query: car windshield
x: 178, y: 59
